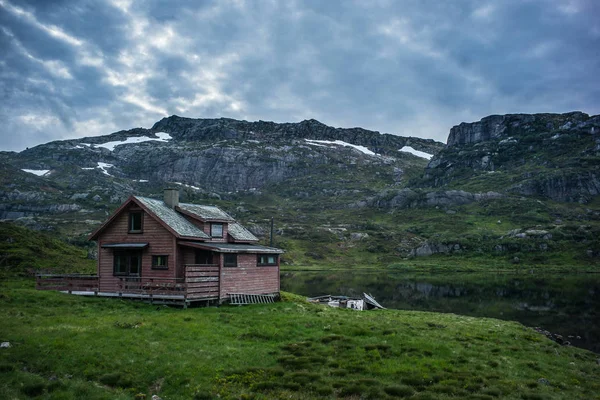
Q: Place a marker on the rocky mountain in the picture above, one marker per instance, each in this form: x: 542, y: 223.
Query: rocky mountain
x: 548, y: 156
x: 206, y: 157
x: 339, y: 195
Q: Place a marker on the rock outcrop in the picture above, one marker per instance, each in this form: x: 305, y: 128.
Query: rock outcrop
x: 552, y: 156
x: 409, y: 198
x: 429, y: 249
x: 497, y: 127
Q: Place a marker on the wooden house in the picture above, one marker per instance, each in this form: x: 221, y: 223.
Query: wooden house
x: 166, y: 251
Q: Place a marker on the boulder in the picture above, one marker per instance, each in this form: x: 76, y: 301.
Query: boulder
x: 428, y: 249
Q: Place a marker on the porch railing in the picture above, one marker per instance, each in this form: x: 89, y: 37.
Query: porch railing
x: 67, y: 282
x: 200, y: 281
x: 152, y: 286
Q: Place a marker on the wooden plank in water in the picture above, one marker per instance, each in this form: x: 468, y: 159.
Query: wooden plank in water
x: 372, y: 301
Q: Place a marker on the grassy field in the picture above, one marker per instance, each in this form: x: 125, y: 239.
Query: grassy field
x: 485, y: 236
x: 24, y: 252
x: 70, y: 347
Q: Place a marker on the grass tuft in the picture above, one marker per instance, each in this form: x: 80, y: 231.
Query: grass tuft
x: 399, y: 391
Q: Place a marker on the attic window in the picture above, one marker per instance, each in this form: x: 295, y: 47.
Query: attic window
x: 216, y: 230
x: 135, y: 222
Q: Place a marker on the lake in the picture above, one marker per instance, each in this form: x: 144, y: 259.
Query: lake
x: 565, y: 304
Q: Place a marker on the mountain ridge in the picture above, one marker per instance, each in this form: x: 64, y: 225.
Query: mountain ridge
x: 190, y: 128
x: 222, y: 155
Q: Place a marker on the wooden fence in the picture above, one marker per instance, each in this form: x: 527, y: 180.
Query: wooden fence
x: 202, y: 281
x: 152, y: 286
x: 68, y: 283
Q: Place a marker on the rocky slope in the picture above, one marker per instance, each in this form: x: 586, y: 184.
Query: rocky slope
x: 203, y: 156
x: 551, y: 156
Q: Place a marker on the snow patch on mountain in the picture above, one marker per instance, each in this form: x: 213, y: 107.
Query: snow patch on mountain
x: 362, y: 149
x: 104, y: 166
x: 162, y: 137
x: 186, y: 185
x: 38, y: 172
x: 422, y: 154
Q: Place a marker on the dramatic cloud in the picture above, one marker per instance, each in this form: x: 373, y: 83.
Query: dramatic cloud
x: 414, y: 67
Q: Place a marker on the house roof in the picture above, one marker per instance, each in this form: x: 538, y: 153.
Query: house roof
x: 206, y: 213
x: 175, y: 221
x: 238, y: 232
x: 172, y: 218
x: 233, y: 247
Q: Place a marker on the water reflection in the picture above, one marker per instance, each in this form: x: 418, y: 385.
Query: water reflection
x: 565, y: 304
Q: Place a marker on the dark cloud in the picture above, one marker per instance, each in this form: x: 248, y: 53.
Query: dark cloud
x: 88, y: 67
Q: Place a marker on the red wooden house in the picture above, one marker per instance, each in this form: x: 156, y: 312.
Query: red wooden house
x: 163, y: 250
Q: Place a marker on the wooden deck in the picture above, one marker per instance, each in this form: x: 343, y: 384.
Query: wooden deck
x: 200, y: 283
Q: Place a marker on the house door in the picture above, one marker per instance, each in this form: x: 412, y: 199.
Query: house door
x: 204, y: 257
x: 127, y: 263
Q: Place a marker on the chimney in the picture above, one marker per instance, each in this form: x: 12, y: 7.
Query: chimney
x: 172, y: 197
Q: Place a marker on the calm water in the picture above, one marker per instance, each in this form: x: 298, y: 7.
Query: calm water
x: 565, y: 304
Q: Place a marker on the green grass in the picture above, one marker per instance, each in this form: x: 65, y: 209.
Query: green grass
x: 24, y: 252
x: 479, y: 229
x: 69, y: 347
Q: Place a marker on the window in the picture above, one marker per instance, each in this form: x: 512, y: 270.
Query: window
x: 267, y: 259
x: 216, y: 230
x: 230, y: 260
x: 127, y: 263
x: 160, y: 262
x: 135, y: 222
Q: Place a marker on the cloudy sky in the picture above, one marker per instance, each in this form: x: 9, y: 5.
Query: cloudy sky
x: 82, y: 68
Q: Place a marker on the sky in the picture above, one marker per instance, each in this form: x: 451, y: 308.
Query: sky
x: 76, y: 68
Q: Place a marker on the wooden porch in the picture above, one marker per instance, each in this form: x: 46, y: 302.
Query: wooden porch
x: 200, y: 283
